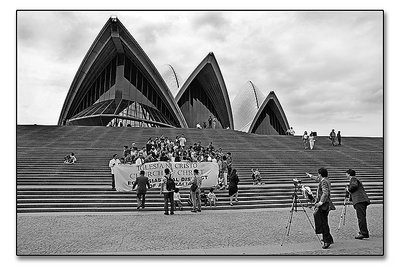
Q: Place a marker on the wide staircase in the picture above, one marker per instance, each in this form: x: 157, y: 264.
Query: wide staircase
x: 46, y: 184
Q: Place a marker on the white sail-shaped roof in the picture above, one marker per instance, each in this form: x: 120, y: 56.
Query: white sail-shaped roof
x: 245, y: 106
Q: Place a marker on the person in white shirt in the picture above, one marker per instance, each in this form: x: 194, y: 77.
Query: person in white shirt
x: 311, y: 139
x: 140, y: 159
x: 182, y: 141
x: 113, y: 162
x: 292, y: 132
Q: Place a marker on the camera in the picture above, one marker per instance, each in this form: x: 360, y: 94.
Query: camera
x: 296, y: 181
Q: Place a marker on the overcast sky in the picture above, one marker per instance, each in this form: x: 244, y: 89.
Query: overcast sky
x: 326, y: 68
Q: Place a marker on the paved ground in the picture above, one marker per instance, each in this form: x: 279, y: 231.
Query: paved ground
x: 233, y: 232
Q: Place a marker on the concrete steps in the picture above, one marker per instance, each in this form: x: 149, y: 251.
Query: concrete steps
x: 45, y: 184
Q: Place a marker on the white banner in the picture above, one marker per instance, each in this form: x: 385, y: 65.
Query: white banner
x: 182, y: 173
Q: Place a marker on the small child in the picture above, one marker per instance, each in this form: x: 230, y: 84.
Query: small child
x: 177, y: 199
x: 212, y: 198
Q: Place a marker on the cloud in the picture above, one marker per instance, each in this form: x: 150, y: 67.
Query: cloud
x: 325, y: 67
x: 212, y: 25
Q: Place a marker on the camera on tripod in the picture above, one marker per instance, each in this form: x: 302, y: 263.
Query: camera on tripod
x: 296, y: 181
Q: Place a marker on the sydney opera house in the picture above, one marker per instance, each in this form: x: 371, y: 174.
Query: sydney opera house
x: 118, y: 85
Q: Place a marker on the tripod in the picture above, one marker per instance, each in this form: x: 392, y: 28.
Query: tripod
x: 343, y: 215
x: 295, y: 202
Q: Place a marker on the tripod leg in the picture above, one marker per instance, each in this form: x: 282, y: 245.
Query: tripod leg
x: 343, y: 215
x: 341, y: 218
x: 345, y: 209
x: 289, y: 222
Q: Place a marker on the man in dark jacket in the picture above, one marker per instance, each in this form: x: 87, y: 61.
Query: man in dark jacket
x: 360, y: 202
x: 323, y: 206
x: 141, y: 182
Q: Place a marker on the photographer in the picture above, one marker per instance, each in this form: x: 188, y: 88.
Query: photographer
x: 322, y: 206
x: 360, y: 202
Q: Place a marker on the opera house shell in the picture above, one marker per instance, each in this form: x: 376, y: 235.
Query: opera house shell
x: 204, y: 94
x: 270, y: 118
x: 172, y: 78
x: 118, y: 85
x: 245, y: 106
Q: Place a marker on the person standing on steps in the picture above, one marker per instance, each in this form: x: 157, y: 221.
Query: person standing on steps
x: 311, y: 139
x: 323, y: 206
x: 214, y: 123
x: 332, y: 137
x: 305, y: 140
x: 182, y: 141
x: 233, y: 187
x: 224, y: 170
x: 360, y: 202
x: 229, y: 162
x: 210, y: 122
x: 141, y: 182
x: 113, y: 162
x: 339, y: 138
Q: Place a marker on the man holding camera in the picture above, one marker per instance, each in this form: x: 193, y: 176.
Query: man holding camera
x: 360, y: 202
x: 323, y: 206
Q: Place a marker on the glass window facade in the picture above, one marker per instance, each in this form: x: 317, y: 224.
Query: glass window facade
x: 268, y: 122
x: 135, y: 76
x: 196, y: 105
x: 126, y: 112
x: 101, y: 84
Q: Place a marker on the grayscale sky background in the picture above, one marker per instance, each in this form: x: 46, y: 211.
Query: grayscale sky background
x: 325, y: 67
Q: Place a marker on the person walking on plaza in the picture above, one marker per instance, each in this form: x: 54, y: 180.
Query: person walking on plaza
x: 195, y: 191
x: 233, y: 186
x: 141, y: 183
x: 360, y: 202
x: 167, y: 189
x: 305, y: 140
x: 113, y: 162
x: 323, y: 206
x: 339, y: 138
